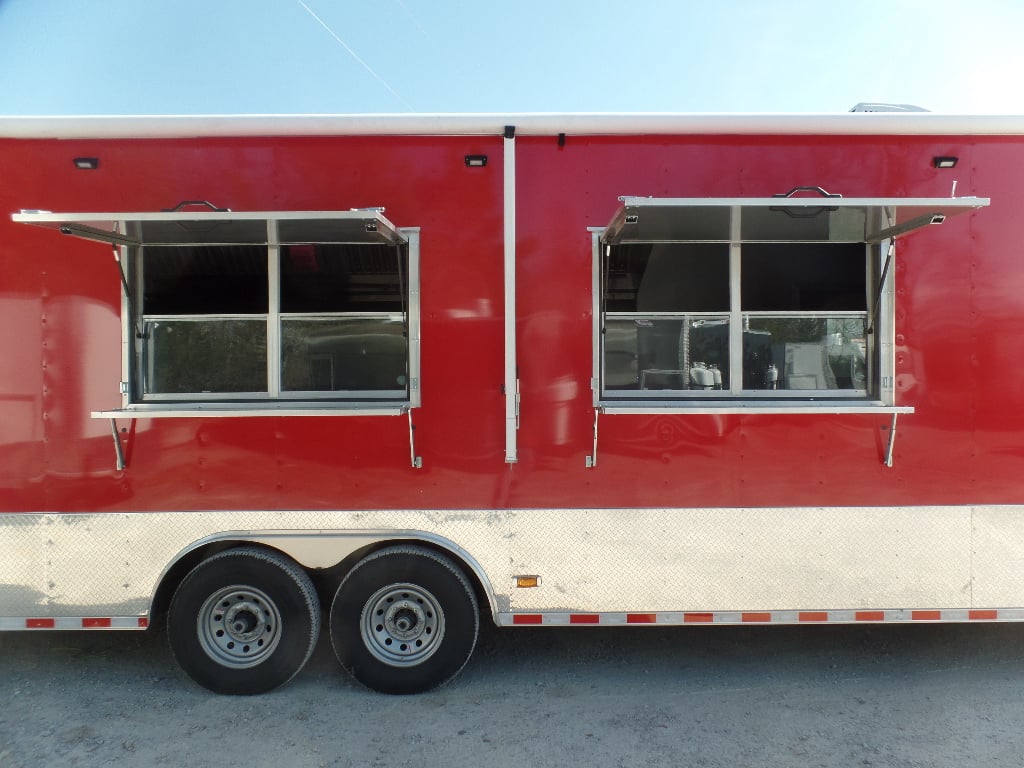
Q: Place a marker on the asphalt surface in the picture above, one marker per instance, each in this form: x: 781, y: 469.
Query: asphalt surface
x: 703, y: 696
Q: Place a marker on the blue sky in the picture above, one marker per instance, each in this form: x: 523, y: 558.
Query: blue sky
x: 369, y: 56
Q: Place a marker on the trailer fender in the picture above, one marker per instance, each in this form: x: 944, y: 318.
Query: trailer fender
x: 326, y: 549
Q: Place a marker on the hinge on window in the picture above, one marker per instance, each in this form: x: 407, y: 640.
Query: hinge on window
x: 123, y: 387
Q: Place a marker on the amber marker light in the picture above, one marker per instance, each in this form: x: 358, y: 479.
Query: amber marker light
x: 526, y: 582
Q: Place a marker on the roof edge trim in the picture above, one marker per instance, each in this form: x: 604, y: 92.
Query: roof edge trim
x: 493, y: 124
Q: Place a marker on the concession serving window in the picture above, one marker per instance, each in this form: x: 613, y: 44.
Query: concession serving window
x: 261, y: 313
x: 751, y: 305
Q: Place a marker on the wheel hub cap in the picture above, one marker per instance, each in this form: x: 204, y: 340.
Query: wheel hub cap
x: 239, y: 626
x: 402, y: 625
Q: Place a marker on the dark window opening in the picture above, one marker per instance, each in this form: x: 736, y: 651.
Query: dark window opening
x: 212, y: 328
x: 342, y: 278
x: 675, y: 324
x: 205, y: 280
x: 668, y: 277
x: 801, y: 277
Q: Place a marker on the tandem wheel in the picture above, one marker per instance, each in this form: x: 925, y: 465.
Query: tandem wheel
x: 244, y: 621
x: 404, y: 620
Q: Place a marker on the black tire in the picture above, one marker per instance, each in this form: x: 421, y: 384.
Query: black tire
x: 244, y: 621
x: 404, y: 620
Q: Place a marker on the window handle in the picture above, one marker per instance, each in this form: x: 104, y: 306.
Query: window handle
x: 819, y: 190
x: 185, y: 203
x: 804, y: 213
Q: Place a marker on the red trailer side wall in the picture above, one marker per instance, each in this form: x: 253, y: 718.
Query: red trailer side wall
x: 959, y: 318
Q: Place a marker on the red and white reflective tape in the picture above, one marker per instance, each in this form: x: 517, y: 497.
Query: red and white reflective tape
x: 66, y: 622
x: 749, y: 618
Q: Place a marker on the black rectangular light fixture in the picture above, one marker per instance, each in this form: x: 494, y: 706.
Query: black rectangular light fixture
x: 945, y: 162
x: 476, y: 161
x: 87, y: 163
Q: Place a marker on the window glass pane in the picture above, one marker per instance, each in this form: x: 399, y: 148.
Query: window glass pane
x: 803, y: 222
x: 342, y: 354
x: 195, y: 356
x: 805, y: 353
x: 208, y: 229
x: 668, y: 277
x: 353, y: 228
x: 645, y: 223
x: 204, y: 280
x: 342, y: 278
x: 790, y: 277
x: 678, y: 353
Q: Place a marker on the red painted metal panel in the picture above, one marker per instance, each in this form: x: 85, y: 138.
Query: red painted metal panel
x: 957, y: 310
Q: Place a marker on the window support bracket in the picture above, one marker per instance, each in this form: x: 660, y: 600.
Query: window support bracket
x: 416, y: 461
x: 881, y: 287
x: 120, y: 458
x: 890, y: 445
x: 133, y: 320
x: 592, y: 458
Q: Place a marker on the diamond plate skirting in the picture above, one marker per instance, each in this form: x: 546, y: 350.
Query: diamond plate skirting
x: 599, y: 560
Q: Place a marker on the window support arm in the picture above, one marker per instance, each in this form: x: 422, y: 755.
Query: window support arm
x: 592, y: 458
x: 132, y: 317
x: 416, y: 461
x: 892, y: 441
x: 120, y: 459
x: 881, y: 286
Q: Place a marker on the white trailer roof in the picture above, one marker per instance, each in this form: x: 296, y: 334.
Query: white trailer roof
x: 545, y: 124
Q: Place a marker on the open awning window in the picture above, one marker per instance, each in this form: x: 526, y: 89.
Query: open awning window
x: 778, y: 219
x: 368, y: 227
x: 742, y: 305
x: 257, y: 313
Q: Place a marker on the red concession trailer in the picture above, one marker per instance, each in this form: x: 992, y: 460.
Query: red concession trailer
x: 544, y: 370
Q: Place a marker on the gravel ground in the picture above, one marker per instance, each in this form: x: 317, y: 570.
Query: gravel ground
x: 730, y: 697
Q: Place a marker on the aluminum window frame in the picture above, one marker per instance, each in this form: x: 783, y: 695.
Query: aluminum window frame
x: 875, y: 392
x: 357, y: 400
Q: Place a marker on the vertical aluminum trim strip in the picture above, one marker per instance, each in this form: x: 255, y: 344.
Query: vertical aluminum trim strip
x: 597, y: 378
x: 273, y: 311
x: 885, y: 333
x: 412, y: 236
x: 735, y: 303
x: 511, y: 374
x: 127, y: 321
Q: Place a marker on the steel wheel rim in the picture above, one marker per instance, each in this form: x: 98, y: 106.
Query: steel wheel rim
x: 239, y: 626
x: 402, y: 625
